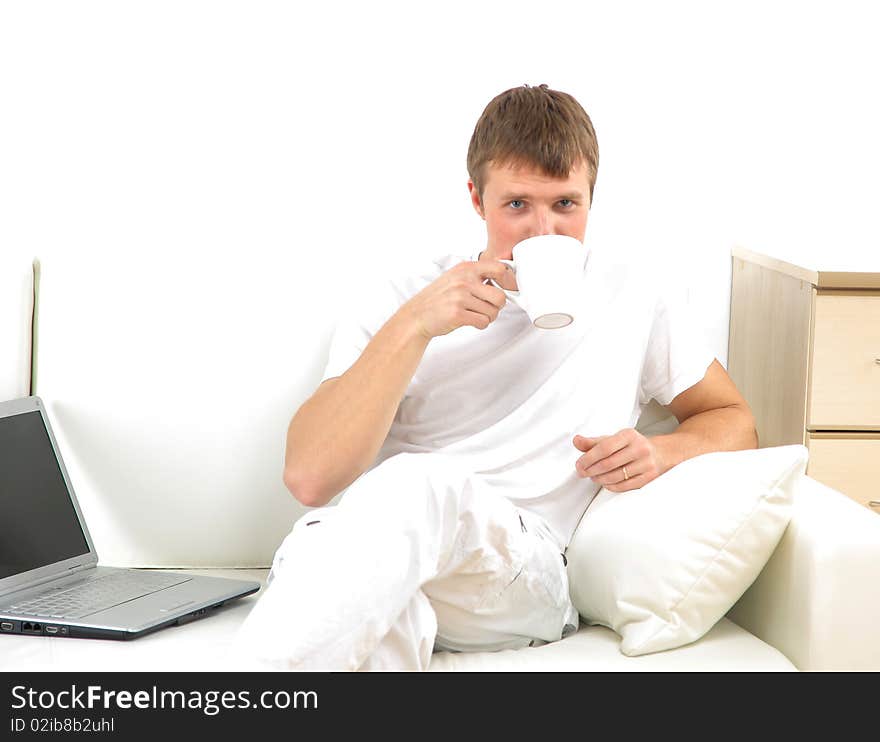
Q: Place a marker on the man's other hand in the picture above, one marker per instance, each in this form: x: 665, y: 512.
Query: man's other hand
x: 605, y: 457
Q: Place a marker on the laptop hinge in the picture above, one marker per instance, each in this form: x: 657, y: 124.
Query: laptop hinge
x: 84, y: 565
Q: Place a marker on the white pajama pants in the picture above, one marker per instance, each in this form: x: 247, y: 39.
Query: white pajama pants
x: 419, y: 554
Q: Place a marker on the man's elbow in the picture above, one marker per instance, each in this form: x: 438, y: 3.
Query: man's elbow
x: 307, y: 489
x: 750, y: 427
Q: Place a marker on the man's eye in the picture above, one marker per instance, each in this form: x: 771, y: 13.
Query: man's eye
x: 514, y: 204
x: 566, y: 201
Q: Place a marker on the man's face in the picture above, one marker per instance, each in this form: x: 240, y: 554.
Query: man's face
x: 523, y: 202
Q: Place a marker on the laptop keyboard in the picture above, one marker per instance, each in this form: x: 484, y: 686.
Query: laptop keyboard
x: 97, y: 595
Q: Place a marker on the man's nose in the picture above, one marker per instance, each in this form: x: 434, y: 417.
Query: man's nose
x: 543, y: 223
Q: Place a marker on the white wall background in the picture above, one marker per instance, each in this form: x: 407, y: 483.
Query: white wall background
x: 202, y: 181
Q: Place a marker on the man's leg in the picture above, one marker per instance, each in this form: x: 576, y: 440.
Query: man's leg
x: 345, y: 579
x: 345, y: 574
x: 409, y: 643
x: 527, y: 602
x: 522, y: 600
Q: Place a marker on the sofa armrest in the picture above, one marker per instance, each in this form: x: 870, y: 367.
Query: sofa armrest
x: 16, y: 314
x: 818, y: 598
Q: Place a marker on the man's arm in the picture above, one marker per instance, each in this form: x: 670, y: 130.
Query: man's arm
x: 723, y: 429
x: 336, y: 434
x: 712, y: 415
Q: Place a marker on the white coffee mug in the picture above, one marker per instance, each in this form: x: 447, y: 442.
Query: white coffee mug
x: 549, y: 272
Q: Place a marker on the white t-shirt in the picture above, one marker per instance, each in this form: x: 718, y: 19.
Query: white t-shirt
x: 508, y: 400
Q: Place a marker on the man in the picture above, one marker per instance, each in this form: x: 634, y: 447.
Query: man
x: 458, y: 428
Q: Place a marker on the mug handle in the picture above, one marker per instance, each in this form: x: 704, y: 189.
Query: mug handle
x: 512, y: 295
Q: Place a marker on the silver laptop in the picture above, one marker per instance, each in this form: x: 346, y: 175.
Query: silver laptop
x: 50, y: 581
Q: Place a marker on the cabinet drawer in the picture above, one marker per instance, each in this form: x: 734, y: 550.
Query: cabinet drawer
x: 845, y: 382
x: 850, y: 464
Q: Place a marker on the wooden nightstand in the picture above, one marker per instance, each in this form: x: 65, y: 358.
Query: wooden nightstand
x: 804, y: 351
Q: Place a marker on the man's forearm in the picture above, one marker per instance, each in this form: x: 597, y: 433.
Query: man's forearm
x: 725, y: 429
x: 336, y: 434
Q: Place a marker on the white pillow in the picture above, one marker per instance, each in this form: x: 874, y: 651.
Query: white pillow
x: 660, y: 565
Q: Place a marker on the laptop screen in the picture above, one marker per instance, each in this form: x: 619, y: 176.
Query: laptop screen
x: 38, y: 523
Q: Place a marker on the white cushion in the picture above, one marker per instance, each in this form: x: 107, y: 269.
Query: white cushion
x: 725, y: 648
x: 662, y: 564
x: 170, y: 383
x: 204, y: 646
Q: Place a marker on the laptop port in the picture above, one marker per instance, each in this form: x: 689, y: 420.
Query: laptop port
x: 51, y: 629
x: 6, y: 626
x: 28, y: 627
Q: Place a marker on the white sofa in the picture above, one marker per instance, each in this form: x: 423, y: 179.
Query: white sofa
x: 171, y: 417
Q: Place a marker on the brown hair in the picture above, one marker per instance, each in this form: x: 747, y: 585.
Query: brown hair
x: 535, y: 126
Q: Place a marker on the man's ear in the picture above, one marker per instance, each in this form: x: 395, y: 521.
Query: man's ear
x: 475, y: 198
